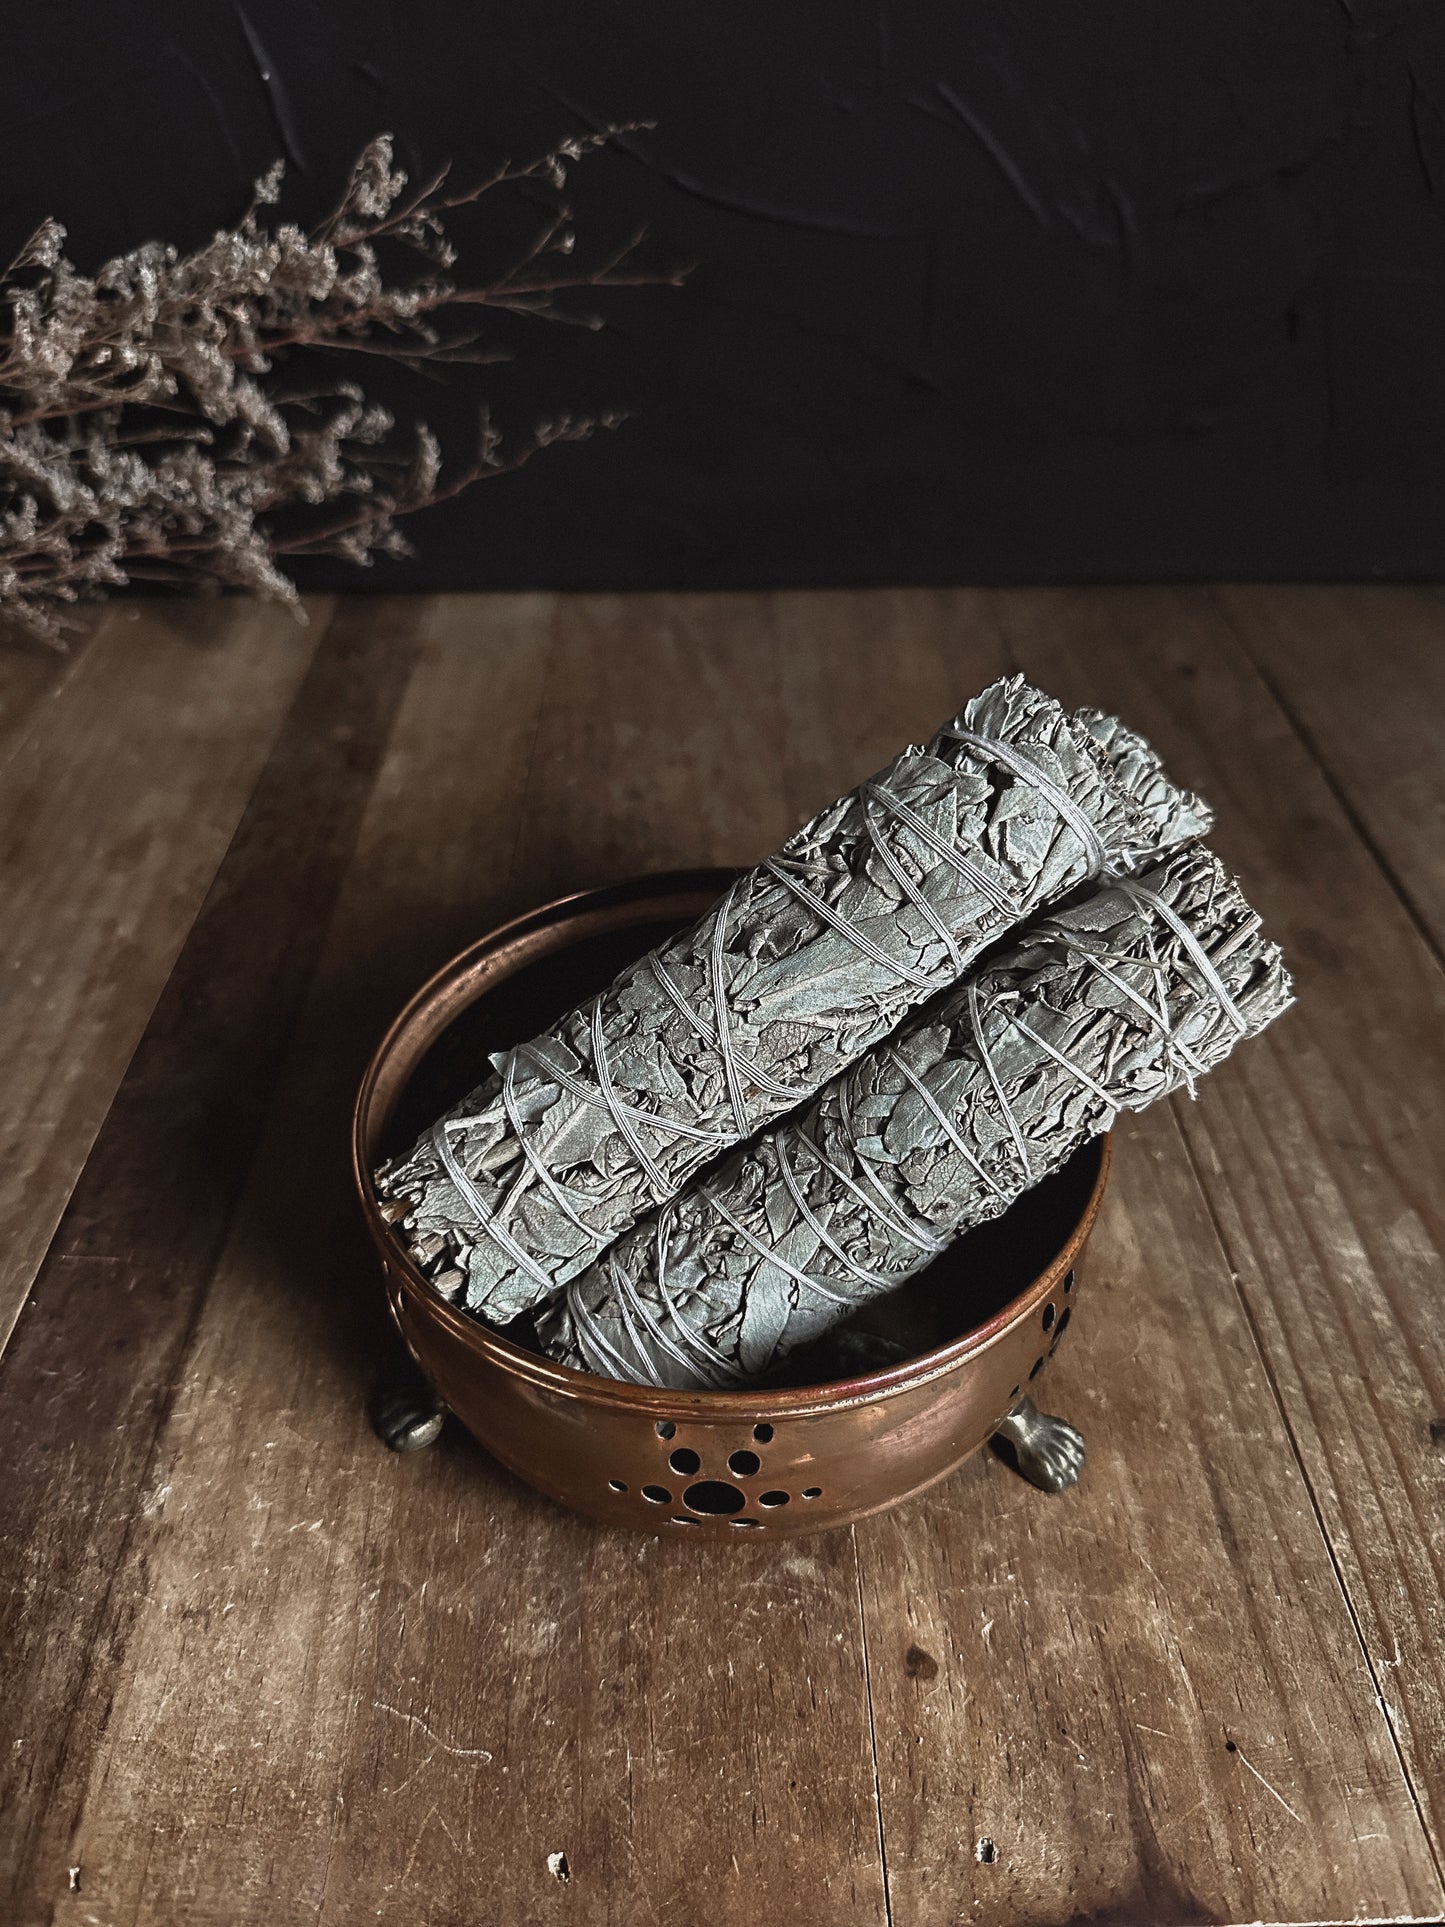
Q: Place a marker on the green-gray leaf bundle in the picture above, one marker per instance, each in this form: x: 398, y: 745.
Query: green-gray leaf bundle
x: 1105, y: 1006
x: 881, y: 901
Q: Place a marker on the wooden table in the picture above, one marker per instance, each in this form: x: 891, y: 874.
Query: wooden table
x: 257, y: 1670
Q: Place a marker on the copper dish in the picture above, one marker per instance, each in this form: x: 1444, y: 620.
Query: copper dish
x: 979, y: 1324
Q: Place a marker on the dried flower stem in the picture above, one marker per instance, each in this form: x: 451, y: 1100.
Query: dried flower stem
x: 145, y: 430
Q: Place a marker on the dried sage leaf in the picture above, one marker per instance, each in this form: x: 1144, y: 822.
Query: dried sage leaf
x: 986, y: 1092
x: 877, y: 904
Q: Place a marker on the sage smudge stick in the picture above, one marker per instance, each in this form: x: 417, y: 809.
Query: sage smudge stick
x: 1105, y: 1006
x: 878, y: 903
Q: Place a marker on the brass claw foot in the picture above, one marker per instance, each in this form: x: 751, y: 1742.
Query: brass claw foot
x: 1046, y: 1450
x: 407, y: 1414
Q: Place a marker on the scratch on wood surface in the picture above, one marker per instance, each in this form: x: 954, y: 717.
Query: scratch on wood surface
x: 438, y: 1744
x: 433, y: 1812
x: 1234, y: 1747
x: 416, y: 1844
x: 415, y: 1719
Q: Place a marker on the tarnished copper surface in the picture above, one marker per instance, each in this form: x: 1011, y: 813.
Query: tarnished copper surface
x: 723, y: 1463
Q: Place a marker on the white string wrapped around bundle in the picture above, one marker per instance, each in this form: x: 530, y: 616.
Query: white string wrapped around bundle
x: 809, y: 960
x: 1107, y: 1006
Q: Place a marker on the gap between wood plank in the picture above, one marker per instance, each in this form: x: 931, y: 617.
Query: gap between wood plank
x: 872, y: 1727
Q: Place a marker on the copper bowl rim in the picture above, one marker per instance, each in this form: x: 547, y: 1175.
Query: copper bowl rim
x: 445, y: 991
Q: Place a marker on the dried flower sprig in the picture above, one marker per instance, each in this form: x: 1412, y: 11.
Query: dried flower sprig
x: 148, y: 431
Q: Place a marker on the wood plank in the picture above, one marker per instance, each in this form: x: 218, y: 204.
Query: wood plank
x: 702, y: 729
x: 89, y: 1373
x: 862, y: 672
x: 658, y: 746
x: 1070, y: 1689
x: 34, y: 674
x: 1361, y: 672
x: 117, y: 806
x: 298, y: 1652
x: 1319, y: 1147
x: 330, y: 1674
x: 1143, y: 1700
x: 1154, y: 1827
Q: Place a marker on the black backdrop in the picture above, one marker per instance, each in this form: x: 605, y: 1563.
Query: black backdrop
x: 1032, y: 290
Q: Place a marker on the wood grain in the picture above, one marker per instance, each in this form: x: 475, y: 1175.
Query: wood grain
x: 387, y: 1686
x: 1143, y: 1701
x: 1361, y: 673
x: 1319, y: 1147
x: 862, y: 672
x: 90, y: 1371
x: 33, y: 674
x: 1146, y: 1826
x: 253, y: 1669
x: 657, y: 745
x: 117, y: 803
